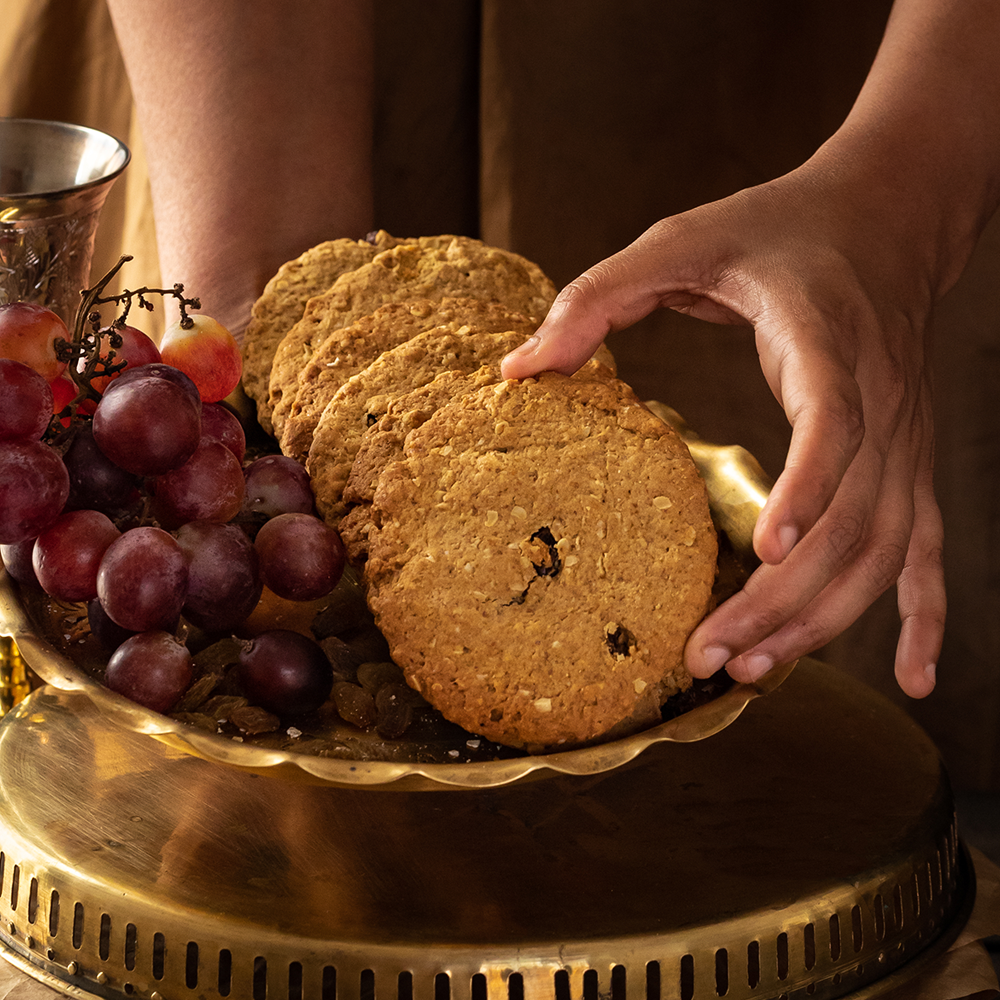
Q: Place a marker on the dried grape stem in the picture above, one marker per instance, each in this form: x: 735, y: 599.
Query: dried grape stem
x: 87, y: 332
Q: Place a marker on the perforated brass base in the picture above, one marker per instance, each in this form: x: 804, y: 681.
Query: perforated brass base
x: 809, y: 850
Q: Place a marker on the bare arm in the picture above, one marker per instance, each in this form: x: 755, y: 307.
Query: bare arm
x: 257, y: 127
x: 837, y: 266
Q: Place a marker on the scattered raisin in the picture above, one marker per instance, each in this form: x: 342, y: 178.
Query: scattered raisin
x: 372, y: 676
x: 354, y: 704
x: 393, y: 711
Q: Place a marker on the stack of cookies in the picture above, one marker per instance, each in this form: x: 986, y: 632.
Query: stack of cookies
x: 536, y: 553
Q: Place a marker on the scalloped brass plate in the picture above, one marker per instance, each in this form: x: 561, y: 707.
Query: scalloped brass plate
x: 738, y: 489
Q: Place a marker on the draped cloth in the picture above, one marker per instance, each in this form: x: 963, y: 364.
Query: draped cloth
x: 562, y: 129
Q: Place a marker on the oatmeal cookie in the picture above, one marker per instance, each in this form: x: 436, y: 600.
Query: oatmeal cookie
x: 346, y: 352
x: 283, y: 301
x: 544, y: 550
x: 382, y: 443
x: 364, y: 397
x: 430, y: 268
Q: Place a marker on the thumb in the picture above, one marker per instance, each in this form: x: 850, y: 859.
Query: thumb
x: 602, y: 299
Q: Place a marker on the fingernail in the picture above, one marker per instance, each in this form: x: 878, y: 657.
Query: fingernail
x: 930, y: 672
x: 528, y: 347
x: 713, y: 659
x: 788, y: 536
x: 757, y: 665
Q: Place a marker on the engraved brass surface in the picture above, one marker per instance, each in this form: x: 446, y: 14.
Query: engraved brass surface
x: 737, y: 491
x: 809, y: 851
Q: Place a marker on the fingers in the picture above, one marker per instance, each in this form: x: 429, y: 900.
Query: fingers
x: 854, y: 553
x: 921, y: 597
x: 824, y: 406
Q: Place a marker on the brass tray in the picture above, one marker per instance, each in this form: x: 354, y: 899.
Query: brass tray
x: 808, y: 853
x: 738, y: 489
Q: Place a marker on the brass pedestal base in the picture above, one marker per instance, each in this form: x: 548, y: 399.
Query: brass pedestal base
x: 808, y: 850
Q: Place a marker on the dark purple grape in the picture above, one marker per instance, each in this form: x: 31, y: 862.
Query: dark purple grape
x: 69, y: 551
x: 108, y: 633
x: 219, y: 423
x: 301, y: 557
x: 95, y: 482
x: 277, y: 484
x: 34, y: 486
x: 209, y: 486
x: 16, y: 559
x: 152, y: 669
x: 158, y: 370
x: 25, y: 401
x: 285, y: 672
x: 147, y: 426
x: 223, y: 580
x: 142, y: 582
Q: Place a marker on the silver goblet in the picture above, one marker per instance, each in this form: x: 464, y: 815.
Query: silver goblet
x: 54, y: 179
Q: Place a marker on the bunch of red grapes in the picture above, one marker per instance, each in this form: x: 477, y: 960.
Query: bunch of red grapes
x: 125, y: 484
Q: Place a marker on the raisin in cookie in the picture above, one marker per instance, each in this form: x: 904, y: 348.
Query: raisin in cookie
x: 430, y: 268
x: 348, y: 351
x: 283, y: 302
x: 364, y: 398
x: 544, y: 550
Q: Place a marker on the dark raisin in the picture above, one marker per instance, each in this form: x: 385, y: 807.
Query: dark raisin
x: 552, y: 562
x: 373, y: 676
x: 620, y: 642
x: 354, y: 704
x: 393, y: 711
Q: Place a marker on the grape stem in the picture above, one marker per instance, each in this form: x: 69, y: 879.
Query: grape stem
x: 88, y: 333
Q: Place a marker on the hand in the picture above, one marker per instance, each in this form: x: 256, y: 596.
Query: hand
x: 839, y: 315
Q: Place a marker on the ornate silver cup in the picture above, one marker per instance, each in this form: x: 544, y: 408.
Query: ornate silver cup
x: 54, y: 179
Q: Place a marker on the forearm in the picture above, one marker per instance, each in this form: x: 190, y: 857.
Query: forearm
x: 257, y: 129
x: 920, y: 150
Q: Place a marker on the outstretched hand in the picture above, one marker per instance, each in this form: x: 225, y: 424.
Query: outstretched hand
x: 839, y: 315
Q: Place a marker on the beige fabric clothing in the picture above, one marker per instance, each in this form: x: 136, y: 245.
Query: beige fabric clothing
x: 561, y: 129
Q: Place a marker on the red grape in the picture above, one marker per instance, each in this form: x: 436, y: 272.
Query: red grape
x: 34, y: 487
x: 152, y: 669
x: 223, y: 580
x: 301, y: 557
x: 95, y: 481
x: 207, y: 352
x: 147, y: 426
x: 64, y: 391
x: 142, y: 582
x: 209, y: 486
x: 136, y: 349
x: 157, y: 369
x: 69, y: 551
x: 218, y: 423
x: 28, y: 333
x: 25, y: 401
x: 285, y: 672
x: 107, y: 632
x: 277, y: 484
x: 16, y: 559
